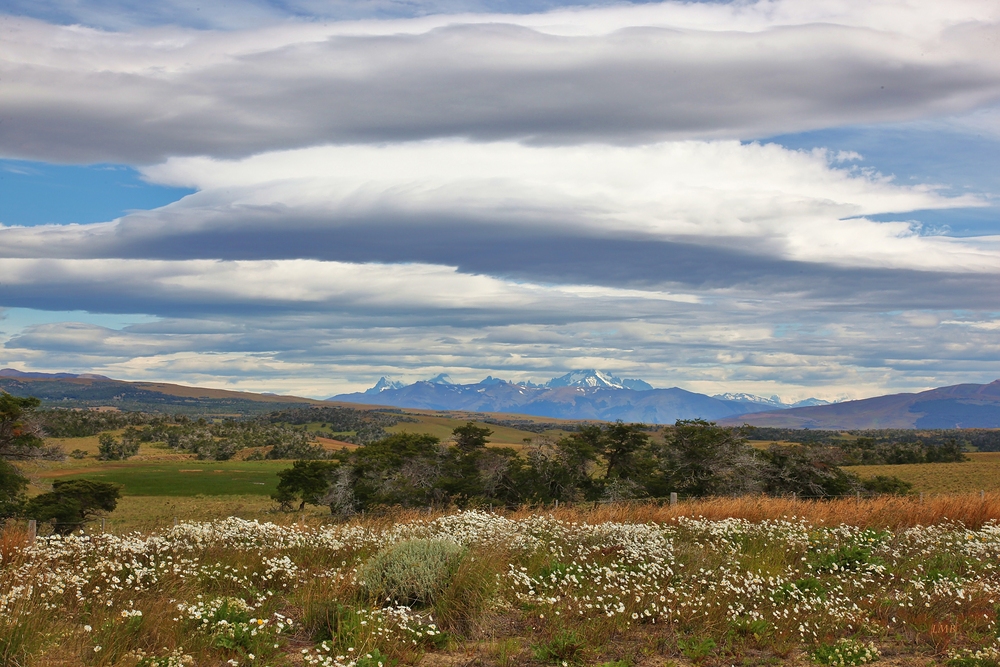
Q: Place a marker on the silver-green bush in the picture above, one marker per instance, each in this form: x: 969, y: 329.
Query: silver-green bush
x: 412, y: 572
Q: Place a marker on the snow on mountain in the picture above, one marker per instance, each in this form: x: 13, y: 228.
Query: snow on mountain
x: 384, y: 384
x: 636, y: 384
x: 742, y: 397
x: 810, y: 402
x: 596, y: 378
x: 774, y: 401
x: 441, y: 378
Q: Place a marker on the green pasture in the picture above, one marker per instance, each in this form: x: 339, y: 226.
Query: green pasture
x: 186, y: 478
x: 442, y: 427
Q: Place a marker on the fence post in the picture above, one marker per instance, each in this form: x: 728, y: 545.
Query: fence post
x: 175, y: 522
x: 795, y: 496
x: 859, y: 497
x: 557, y: 503
x: 982, y: 494
x: 32, y: 531
x: 102, y: 524
x: 673, y: 498
x: 921, y: 497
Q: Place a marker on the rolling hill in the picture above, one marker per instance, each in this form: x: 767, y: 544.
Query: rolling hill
x: 958, y: 406
x: 95, y: 391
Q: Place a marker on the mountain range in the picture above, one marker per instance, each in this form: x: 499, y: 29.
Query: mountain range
x: 581, y: 394
x: 577, y: 395
x: 957, y: 406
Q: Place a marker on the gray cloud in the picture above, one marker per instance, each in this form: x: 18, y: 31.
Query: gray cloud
x: 143, y: 102
x: 713, y: 265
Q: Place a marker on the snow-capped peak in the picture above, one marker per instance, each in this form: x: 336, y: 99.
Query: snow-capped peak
x: 750, y: 398
x: 596, y: 378
x: 384, y: 384
x: 441, y: 378
x: 774, y: 401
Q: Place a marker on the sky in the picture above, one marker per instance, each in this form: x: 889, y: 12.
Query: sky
x: 300, y: 196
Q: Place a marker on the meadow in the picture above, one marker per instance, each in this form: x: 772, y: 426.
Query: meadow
x: 750, y: 581
x: 981, y: 471
x: 198, y: 566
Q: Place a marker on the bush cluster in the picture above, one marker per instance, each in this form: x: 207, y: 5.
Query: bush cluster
x: 598, y: 462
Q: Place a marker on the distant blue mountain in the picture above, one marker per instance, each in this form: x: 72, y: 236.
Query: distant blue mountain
x: 585, y: 394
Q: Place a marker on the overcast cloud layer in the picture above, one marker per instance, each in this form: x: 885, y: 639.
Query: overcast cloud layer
x: 515, y: 194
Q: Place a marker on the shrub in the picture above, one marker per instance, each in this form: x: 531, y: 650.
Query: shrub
x: 988, y: 656
x: 412, y: 572
x: 884, y: 484
x: 72, y: 502
x: 845, y: 652
x: 565, y: 646
x: 110, y: 449
x: 78, y: 454
x: 696, y: 649
x: 12, y: 486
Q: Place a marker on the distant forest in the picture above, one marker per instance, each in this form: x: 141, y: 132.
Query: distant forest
x: 884, y: 440
x: 283, y: 432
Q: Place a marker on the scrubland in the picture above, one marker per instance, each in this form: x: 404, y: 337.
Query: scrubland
x: 716, y: 582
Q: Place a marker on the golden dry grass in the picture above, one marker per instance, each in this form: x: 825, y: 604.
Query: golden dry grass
x: 891, y: 512
x: 146, y: 513
x: 981, y: 472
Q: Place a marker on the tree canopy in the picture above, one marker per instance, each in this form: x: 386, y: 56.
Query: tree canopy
x: 73, y: 502
x: 598, y: 462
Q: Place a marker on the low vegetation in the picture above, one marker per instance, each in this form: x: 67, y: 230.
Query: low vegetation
x: 598, y: 462
x: 580, y: 586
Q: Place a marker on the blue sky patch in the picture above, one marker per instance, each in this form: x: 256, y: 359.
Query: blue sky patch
x: 36, y: 193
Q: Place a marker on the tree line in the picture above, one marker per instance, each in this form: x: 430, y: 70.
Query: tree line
x: 888, y: 446
x: 619, y: 461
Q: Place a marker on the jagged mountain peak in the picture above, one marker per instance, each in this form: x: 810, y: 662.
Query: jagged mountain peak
x: 441, y: 378
x: 384, y: 384
x: 595, y: 378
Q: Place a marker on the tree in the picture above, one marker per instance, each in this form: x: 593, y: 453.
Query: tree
x: 20, y: 434
x: 12, y: 487
x: 810, y: 472
x: 73, y: 502
x: 306, y: 481
x: 110, y: 449
x: 470, y: 437
x: 703, y: 459
x: 403, y: 469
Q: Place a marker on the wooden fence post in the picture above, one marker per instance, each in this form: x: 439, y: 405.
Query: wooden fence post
x: 32, y: 531
x: 673, y: 498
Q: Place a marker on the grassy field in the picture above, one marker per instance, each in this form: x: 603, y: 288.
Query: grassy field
x: 183, y: 478
x: 615, y: 586
x: 442, y: 427
x: 981, y: 472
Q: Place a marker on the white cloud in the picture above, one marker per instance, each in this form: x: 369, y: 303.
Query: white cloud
x: 786, y: 204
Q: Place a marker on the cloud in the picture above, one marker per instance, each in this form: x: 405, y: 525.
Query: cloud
x: 622, y: 74
x: 507, y: 194
x: 367, y: 292
x: 659, y: 213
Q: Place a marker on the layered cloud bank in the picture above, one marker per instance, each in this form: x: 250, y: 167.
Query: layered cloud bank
x: 526, y: 194
x: 623, y: 74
